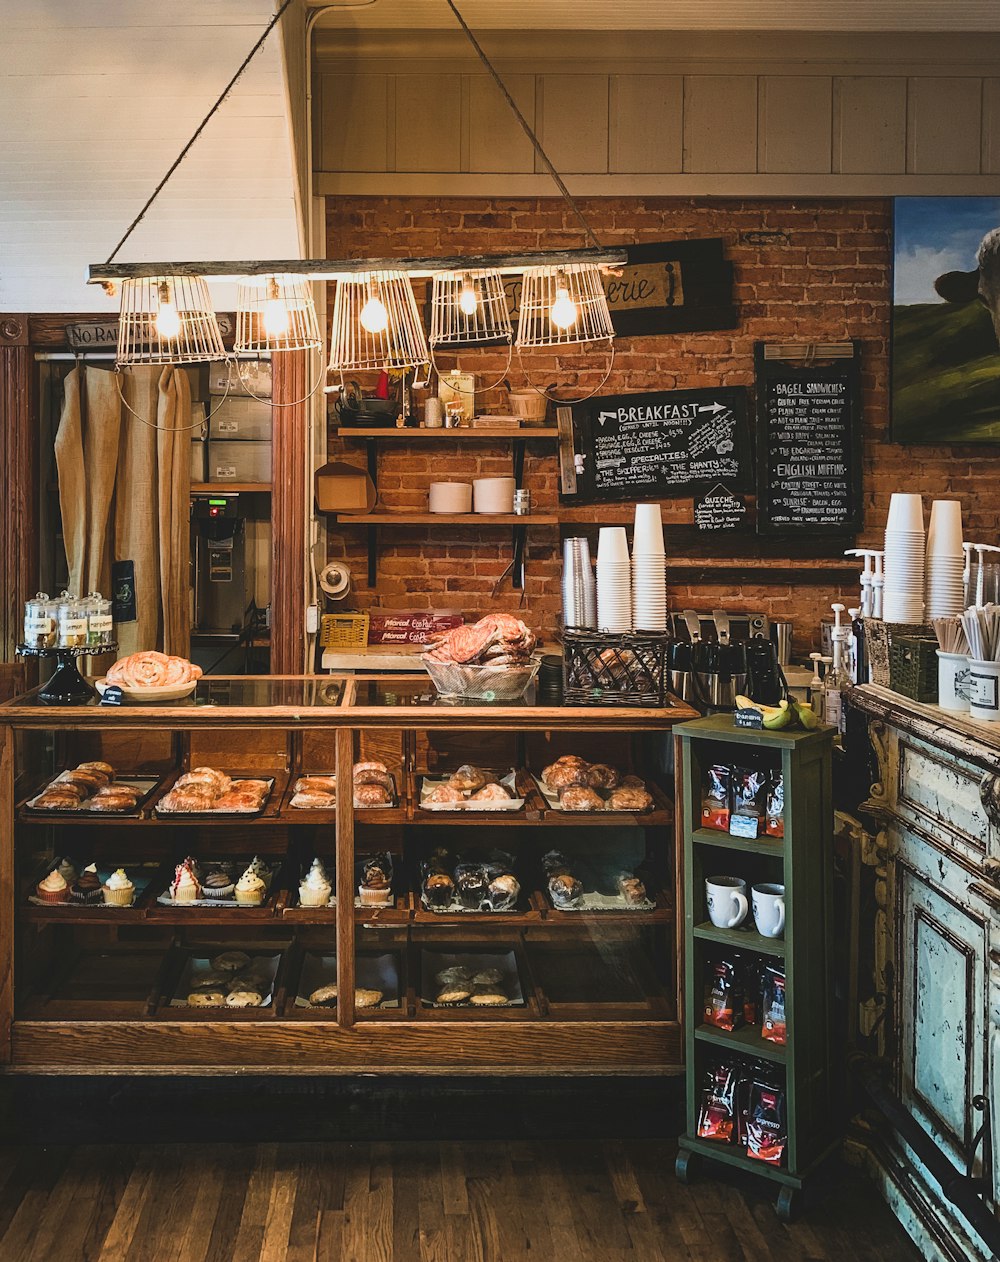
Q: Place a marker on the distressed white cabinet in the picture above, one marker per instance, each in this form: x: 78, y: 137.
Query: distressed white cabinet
x: 932, y: 1006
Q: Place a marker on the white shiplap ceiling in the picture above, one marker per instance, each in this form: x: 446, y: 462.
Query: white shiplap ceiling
x: 674, y: 15
x: 97, y: 101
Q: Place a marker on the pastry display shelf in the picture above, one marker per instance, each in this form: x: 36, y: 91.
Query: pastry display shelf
x: 600, y: 988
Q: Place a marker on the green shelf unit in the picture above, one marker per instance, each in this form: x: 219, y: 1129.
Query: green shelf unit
x: 803, y: 862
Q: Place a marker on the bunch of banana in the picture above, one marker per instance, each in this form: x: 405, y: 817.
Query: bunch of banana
x: 784, y: 714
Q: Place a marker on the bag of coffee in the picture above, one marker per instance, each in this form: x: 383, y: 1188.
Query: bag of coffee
x: 723, y: 1005
x: 748, y: 794
x: 775, y: 825
x: 717, y: 1115
x: 715, y: 810
x: 766, y: 1125
x: 772, y: 1019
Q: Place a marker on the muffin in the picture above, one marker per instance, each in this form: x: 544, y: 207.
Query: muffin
x: 472, y: 888
x: 315, y: 887
x: 250, y: 889
x: 185, y: 887
x: 632, y: 890
x: 439, y: 889
x: 87, y: 887
x: 565, y: 891
x: 502, y: 892
x: 53, y: 888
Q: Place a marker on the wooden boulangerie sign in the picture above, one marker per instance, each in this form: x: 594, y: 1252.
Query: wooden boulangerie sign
x: 808, y: 439
x: 654, y: 446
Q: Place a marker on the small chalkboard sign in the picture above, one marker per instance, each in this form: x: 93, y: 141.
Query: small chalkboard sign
x: 658, y: 445
x: 808, y: 439
x: 719, y: 509
x: 113, y: 695
x: 749, y: 718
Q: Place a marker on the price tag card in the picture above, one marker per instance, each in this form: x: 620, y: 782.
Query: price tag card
x: 113, y: 695
x: 749, y: 718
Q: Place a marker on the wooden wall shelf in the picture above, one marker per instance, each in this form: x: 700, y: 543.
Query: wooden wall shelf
x: 220, y: 488
x: 449, y: 519
x: 412, y: 434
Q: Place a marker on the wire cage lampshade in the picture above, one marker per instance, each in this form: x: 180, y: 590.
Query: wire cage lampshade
x: 469, y: 307
x: 275, y: 313
x: 376, y: 323
x: 563, y: 306
x: 167, y: 320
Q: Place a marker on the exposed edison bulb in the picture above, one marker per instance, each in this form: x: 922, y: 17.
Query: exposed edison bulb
x: 373, y: 315
x: 564, y: 312
x: 275, y: 311
x: 468, y: 299
x: 167, y: 322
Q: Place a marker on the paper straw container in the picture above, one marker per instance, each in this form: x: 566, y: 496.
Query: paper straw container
x: 449, y: 497
x: 984, y: 690
x: 493, y: 495
x: 953, y: 681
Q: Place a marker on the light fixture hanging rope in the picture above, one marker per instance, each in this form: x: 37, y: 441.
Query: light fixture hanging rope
x: 200, y: 128
x: 536, y: 143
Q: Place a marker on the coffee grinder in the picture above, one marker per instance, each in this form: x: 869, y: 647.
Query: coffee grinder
x: 222, y: 587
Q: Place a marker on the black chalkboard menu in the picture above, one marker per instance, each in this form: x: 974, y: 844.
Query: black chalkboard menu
x: 808, y: 442
x: 720, y: 510
x: 662, y: 444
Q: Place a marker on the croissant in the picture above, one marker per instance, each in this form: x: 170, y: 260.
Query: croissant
x: 152, y: 670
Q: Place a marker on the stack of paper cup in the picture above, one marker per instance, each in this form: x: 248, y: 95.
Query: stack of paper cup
x: 649, y: 573
x: 579, y: 602
x: 903, y: 597
x: 945, y: 560
x: 614, y: 580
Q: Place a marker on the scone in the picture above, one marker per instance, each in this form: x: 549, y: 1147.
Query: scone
x: 494, y: 792
x: 577, y: 798
x: 444, y: 793
x: 468, y: 778
x: 372, y: 795
x: 562, y: 775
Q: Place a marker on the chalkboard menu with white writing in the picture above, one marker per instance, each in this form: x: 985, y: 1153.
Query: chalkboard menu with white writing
x: 808, y: 445
x: 720, y: 510
x: 653, y: 446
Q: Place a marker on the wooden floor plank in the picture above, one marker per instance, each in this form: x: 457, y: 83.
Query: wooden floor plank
x: 421, y: 1201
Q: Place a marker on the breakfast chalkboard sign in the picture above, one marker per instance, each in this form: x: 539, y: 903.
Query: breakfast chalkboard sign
x: 808, y: 439
x: 656, y: 445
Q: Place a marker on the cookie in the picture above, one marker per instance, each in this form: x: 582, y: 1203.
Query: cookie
x: 212, y: 979
x: 244, y: 999
x: 367, y: 998
x: 324, y: 996
x: 206, y: 999
x: 487, y: 977
x: 454, y: 994
x: 231, y: 961
x: 488, y: 998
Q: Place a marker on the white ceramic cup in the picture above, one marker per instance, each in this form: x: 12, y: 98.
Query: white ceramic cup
x: 726, y: 897
x: 769, y: 910
x: 984, y: 690
x: 953, y: 681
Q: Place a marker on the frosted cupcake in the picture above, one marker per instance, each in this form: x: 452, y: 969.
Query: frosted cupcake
x: 118, y: 889
x: 185, y: 887
x: 250, y: 889
x: 218, y: 884
x: 67, y: 870
x: 315, y: 887
x: 53, y: 888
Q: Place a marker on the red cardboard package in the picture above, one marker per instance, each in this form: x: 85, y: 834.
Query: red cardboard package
x: 401, y: 626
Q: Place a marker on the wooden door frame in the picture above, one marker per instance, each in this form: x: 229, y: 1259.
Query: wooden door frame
x: 18, y: 479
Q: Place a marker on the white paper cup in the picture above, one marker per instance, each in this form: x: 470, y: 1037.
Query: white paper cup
x: 953, y: 681
x: 984, y: 690
x: 944, y: 534
x: 493, y: 495
x: 612, y: 545
x: 449, y: 497
x: 906, y: 513
x: 647, y: 537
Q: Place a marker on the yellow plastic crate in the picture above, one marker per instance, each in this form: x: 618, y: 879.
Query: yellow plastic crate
x: 343, y: 630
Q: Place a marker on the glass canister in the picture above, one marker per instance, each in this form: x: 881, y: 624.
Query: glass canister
x: 100, y: 629
x: 40, y: 621
x: 72, y: 623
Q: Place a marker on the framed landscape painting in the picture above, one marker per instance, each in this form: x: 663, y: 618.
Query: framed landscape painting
x: 946, y: 320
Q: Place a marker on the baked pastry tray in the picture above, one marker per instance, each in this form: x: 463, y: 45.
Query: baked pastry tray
x: 160, y: 813
x: 145, y: 784
x: 267, y: 965
x: 591, y: 901
x: 429, y: 783
x: 432, y: 962
x: 372, y: 971
x: 551, y: 797
x: 375, y: 806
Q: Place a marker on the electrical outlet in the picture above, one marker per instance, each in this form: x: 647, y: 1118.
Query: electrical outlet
x: 312, y: 619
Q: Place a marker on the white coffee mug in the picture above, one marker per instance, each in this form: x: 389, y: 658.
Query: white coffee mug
x: 726, y: 897
x: 769, y: 910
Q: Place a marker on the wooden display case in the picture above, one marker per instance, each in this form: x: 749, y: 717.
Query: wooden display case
x: 93, y: 989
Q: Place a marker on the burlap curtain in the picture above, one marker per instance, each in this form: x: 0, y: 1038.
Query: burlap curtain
x: 124, y: 490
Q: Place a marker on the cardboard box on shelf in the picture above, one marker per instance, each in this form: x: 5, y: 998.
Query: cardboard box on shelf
x: 243, y: 379
x: 344, y: 488
x: 241, y: 419
x: 238, y: 461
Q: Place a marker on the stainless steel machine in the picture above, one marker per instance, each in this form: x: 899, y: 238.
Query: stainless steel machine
x: 223, y: 587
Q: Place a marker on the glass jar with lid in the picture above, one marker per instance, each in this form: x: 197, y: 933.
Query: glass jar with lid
x: 40, y: 615
x: 72, y: 619
x: 100, y: 628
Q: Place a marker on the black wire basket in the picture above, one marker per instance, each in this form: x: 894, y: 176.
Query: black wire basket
x: 627, y: 668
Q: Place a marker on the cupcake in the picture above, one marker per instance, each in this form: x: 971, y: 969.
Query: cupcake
x: 250, y: 889
x: 374, y: 896
x: 87, y: 887
x: 185, y: 887
x: 218, y: 884
x: 472, y: 887
x: 118, y: 889
x: 315, y: 887
x: 53, y: 888
x: 67, y: 870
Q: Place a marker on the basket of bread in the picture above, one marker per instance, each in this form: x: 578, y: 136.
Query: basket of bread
x: 491, y: 660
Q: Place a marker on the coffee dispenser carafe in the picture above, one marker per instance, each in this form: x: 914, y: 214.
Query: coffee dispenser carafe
x: 765, y: 680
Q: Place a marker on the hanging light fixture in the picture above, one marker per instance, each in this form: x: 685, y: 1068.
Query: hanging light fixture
x: 563, y: 306
x: 376, y: 323
x: 167, y: 320
x: 275, y: 313
x: 470, y: 308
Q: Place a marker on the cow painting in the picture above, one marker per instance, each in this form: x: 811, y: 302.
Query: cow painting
x: 946, y: 320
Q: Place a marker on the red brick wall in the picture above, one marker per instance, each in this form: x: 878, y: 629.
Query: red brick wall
x: 830, y: 281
